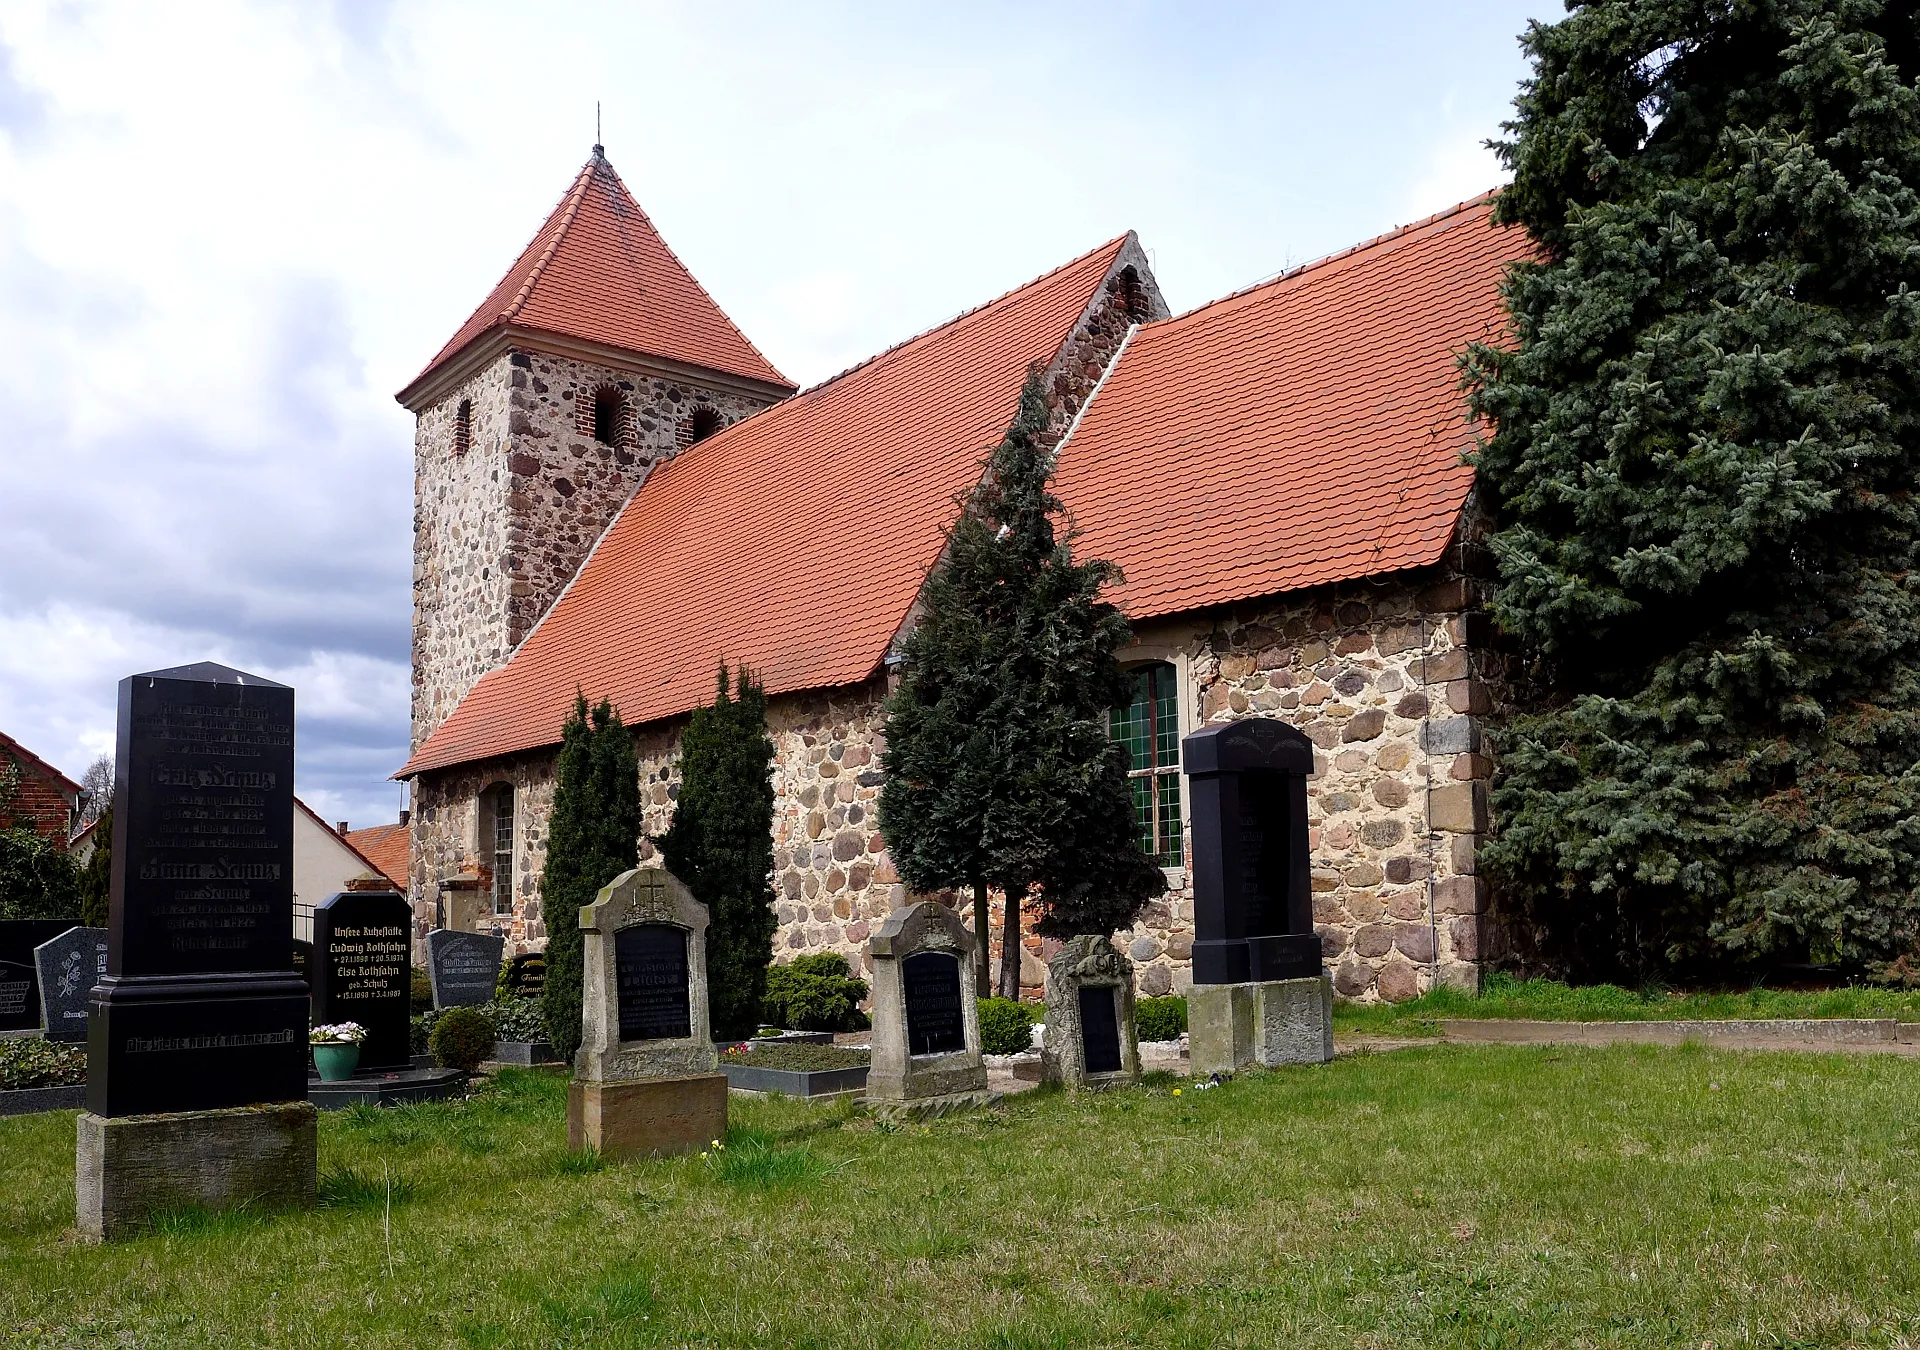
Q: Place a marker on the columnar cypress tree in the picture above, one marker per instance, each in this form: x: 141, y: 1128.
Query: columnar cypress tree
x: 96, y: 878
x: 592, y: 837
x: 1000, y: 768
x: 1705, y: 449
x: 720, y: 842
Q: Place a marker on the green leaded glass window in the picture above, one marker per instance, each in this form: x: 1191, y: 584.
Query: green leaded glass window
x: 1149, y: 726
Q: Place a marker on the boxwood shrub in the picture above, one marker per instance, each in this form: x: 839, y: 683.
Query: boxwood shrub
x: 461, y: 1038
x: 814, y: 993
x: 1006, y: 1026
x: 1160, y: 1019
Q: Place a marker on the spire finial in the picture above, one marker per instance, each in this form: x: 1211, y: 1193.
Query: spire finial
x: 599, y: 150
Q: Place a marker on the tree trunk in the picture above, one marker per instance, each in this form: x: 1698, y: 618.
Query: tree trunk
x: 1010, y: 943
x: 983, y: 941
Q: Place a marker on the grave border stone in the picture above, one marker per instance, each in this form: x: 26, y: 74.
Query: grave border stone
x: 648, y: 1097
x: 1087, y: 963
x: 898, y: 1080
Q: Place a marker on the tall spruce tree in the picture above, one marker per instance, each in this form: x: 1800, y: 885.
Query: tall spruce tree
x: 592, y: 837
x: 1703, y: 462
x: 720, y: 842
x: 1000, y: 768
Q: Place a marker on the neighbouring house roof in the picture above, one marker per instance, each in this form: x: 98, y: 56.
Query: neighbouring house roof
x: 1305, y: 431
x: 599, y: 272
x: 795, y: 541
x: 388, y: 848
x: 345, y: 842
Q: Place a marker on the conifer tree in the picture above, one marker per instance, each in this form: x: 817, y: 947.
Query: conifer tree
x: 1706, y: 441
x: 1000, y: 768
x: 96, y: 878
x: 720, y: 843
x: 592, y: 837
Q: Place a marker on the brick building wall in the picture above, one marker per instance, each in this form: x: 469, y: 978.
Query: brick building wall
x: 32, y: 796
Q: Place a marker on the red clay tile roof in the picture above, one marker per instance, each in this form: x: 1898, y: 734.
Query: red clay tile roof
x: 1302, y: 432
x: 387, y: 847
x: 600, y: 272
x: 794, y: 541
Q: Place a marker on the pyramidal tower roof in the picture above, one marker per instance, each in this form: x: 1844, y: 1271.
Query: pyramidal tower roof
x: 599, y: 273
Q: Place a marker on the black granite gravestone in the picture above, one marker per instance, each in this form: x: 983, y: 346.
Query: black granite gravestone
x: 19, y: 977
x: 361, y: 971
x: 303, y: 960
x: 527, y: 975
x: 1252, y: 877
x: 69, y: 966
x: 936, y: 1022
x: 1099, y: 1029
x: 464, y: 968
x: 200, y: 1007
x: 650, y: 978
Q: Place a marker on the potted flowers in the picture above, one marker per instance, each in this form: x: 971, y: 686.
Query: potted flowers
x: 336, y: 1049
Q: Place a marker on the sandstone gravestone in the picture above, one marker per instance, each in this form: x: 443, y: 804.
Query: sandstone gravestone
x: 1090, y: 1039
x: 19, y: 976
x: 645, y: 1079
x: 69, y: 966
x: 464, y: 968
x: 361, y: 971
x: 197, y: 1034
x: 926, y: 1025
x: 1259, y: 995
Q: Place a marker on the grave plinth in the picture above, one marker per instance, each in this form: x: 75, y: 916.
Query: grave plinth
x: 645, y: 1079
x: 200, y: 1011
x: 1260, y: 994
x: 1091, y: 1039
x: 926, y: 1025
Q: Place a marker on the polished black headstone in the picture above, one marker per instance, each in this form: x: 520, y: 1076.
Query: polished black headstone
x: 650, y: 975
x: 1099, y: 1029
x: 527, y: 975
x: 19, y: 977
x: 200, y: 1007
x: 69, y: 966
x: 303, y: 960
x: 362, y: 973
x: 463, y: 967
x: 936, y: 1020
x: 1252, y: 870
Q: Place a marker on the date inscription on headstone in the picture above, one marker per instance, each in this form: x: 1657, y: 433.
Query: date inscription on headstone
x: 650, y: 975
x: 1099, y: 1029
x: 936, y: 1022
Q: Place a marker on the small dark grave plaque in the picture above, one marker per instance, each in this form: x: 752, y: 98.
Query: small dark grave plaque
x: 361, y: 971
x: 526, y: 975
x: 303, y: 960
x: 650, y: 974
x: 69, y: 966
x: 19, y: 978
x: 464, y: 967
x: 1252, y: 896
x: 1099, y: 1029
x: 200, y: 1007
x: 936, y: 1022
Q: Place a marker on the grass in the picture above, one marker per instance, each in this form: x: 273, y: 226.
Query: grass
x: 1550, y: 1000
x: 1481, y: 1196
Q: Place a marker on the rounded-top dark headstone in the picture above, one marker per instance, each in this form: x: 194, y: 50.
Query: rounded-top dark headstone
x: 463, y: 968
x: 361, y: 971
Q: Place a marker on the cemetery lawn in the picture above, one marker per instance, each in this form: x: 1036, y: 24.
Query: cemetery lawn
x: 1503, y: 996
x: 1436, y: 1196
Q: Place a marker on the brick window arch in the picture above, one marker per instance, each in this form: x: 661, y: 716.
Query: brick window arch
x: 609, y: 416
x: 463, y: 427
x: 698, y: 425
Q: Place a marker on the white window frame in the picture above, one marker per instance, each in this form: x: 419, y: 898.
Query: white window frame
x: 486, y: 832
x: 1188, y: 714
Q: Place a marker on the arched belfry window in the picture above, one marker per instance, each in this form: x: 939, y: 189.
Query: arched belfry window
x: 463, y: 427
x: 496, y: 842
x: 700, y: 424
x: 609, y: 415
x: 1149, y: 726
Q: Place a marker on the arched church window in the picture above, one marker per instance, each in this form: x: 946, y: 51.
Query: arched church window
x: 496, y: 842
x: 463, y: 427
x: 699, y: 425
x: 1149, y: 726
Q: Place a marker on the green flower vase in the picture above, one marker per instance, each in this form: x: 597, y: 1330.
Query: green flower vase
x: 336, y: 1061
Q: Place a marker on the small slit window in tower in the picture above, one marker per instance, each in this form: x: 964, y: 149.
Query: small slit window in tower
x: 699, y: 425
x: 609, y: 414
x: 463, y: 427
x: 1132, y: 295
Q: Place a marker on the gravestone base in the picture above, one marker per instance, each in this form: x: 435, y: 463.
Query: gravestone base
x: 647, y: 1117
x: 927, y: 1108
x: 388, y: 1087
x: 126, y: 1167
x: 1266, y: 1023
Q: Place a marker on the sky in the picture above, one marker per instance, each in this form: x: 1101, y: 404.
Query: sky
x: 229, y: 233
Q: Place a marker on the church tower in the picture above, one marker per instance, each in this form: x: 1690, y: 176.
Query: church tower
x: 595, y: 358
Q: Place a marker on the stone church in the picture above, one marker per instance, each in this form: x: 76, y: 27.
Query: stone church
x: 615, y: 491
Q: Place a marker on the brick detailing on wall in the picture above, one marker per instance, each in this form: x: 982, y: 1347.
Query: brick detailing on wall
x: 500, y: 530
x: 33, y: 796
